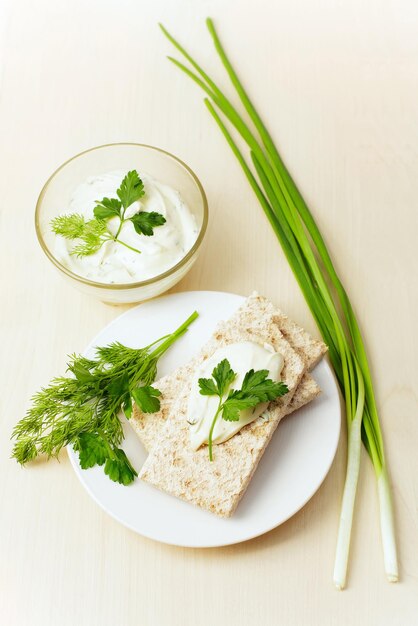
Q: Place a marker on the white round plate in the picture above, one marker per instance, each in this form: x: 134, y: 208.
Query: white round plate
x: 291, y: 470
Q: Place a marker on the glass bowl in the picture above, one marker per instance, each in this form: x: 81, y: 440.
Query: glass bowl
x: 163, y: 166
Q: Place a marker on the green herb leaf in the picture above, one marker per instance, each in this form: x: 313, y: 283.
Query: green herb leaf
x: 144, y: 222
x: 92, y: 450
x: 257, y: 384
x: 224, y: 376
x: 69, y: 226
x: 81, y: 372
x: 83, y: 409
x: 119, y: 386
x: 94, y: 235
x: 131, y: 189
x: 127, y: 406
x: 232, y: 407
x: 25, y: 450
x: 119, y: 469
x: 208, y: 387
x: 147, y: 398
x: 256, y: 388
x: 107, y: 208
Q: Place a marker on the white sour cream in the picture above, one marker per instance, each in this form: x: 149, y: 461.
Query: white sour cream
x: 201, y: 409
x: 114, y: 263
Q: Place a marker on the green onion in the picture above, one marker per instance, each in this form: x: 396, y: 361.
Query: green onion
x: 308, y: 256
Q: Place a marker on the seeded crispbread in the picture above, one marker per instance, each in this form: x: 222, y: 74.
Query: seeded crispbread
x: 312, y: 350
x: 309, y: 348
x: 174, y: 467
x: 148, y: 426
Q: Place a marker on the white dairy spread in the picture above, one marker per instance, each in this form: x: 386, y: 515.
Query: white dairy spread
x: 201, y: 409
x: 114, y: 263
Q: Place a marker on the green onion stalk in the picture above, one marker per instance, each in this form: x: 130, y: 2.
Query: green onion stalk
x: 308, y: 256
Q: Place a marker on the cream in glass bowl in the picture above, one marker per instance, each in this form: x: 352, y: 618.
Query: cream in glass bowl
x: 122, y: 222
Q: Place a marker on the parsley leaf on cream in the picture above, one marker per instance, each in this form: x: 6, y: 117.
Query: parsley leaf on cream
x: 144, y: 222
x: 131, y: 189
x: 255, y: 388
x: 106, y: 208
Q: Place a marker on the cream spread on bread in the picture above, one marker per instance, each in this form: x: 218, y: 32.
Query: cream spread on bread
x: 242, y: 357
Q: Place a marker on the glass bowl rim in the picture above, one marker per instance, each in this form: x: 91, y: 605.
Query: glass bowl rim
x: 119, y: 286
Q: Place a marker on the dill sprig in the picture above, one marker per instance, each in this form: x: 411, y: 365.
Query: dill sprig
x: 82, y: 409
x: 92, y: 234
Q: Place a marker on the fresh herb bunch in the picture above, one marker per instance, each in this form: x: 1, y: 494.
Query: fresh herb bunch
x: 94, y: 233
x: 256, y: 388
x: 310, y: 260
x: 83, y: 409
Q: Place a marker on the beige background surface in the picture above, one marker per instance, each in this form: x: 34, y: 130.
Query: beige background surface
x: 337, y: 83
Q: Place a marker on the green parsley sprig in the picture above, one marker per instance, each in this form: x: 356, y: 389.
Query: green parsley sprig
x: 256, y: 388
x: 92, y: 234
x: 83, y: 409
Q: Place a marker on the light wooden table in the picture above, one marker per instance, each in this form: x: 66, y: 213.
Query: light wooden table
x: 337, y: 82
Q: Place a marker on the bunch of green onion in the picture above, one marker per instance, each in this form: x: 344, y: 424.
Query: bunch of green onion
x: 325, y: 295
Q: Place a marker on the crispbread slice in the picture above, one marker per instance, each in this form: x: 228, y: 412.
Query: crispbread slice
x: 148, y: 426
x: 218, y: 486
x: 311, y: 349
x: 307, y: 390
